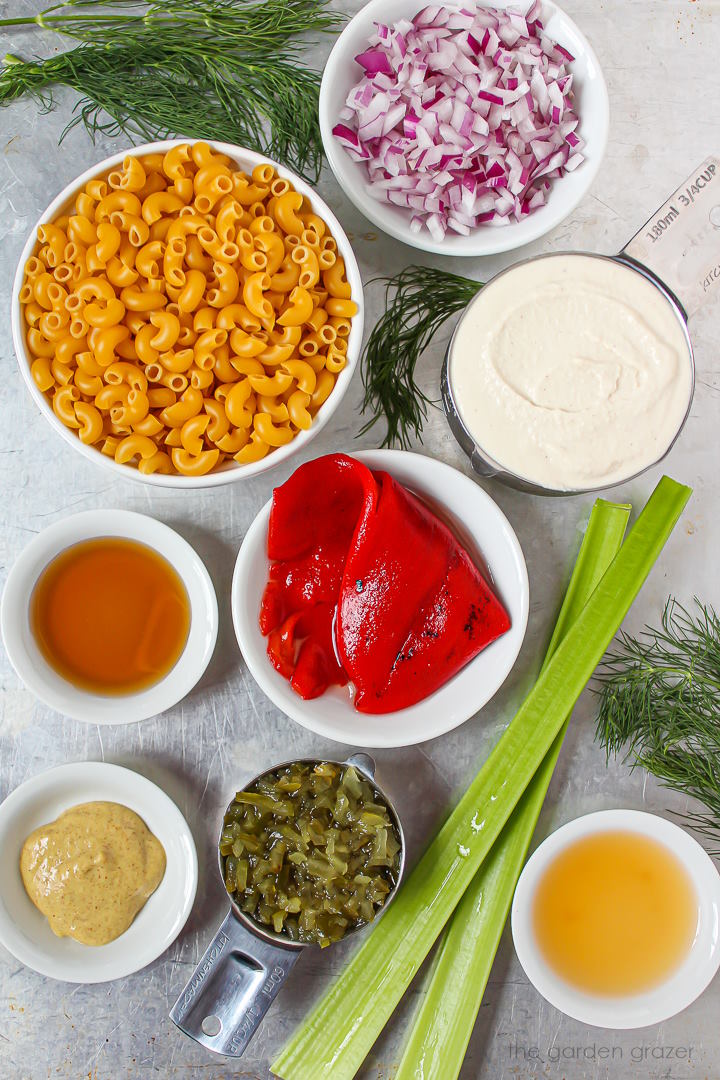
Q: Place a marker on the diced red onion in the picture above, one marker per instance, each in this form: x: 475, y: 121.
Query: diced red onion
x: 464, y: 116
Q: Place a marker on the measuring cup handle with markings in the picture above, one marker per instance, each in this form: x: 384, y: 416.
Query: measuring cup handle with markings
x: 232, y: 988
x: 680, y: 243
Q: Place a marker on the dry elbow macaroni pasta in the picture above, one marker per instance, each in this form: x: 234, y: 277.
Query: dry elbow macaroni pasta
x: 184, y: 313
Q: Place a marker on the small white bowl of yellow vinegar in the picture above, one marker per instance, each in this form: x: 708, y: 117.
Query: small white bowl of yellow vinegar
x: 616, y: 919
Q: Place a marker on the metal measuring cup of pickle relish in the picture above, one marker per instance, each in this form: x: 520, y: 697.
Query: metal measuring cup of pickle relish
x: 246, y: 963
x: 678, y: 251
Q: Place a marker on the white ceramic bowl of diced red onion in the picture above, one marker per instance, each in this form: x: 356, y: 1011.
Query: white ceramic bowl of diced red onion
x: 464, y: 129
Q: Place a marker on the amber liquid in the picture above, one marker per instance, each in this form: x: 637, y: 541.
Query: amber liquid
x: 615, y: 913
x: 110, y: 615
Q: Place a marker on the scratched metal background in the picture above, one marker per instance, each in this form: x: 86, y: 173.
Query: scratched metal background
x: 660, y: 60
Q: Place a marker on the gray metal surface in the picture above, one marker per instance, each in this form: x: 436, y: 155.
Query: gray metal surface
x: 660, y: 59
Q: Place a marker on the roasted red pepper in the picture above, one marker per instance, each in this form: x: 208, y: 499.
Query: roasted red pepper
x: 317, y: 664
x: 412, y: 608
x: 282, y: 646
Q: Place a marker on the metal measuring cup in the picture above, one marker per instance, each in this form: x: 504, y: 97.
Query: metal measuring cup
x: 246, y: 963
x: 678, y: 251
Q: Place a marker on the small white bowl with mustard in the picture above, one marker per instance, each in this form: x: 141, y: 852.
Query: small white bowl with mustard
x: 130, y: 854
x: 109, y: 616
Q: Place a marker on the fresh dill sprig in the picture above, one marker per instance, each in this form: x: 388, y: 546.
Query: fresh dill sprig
x: 660, y: 707
x: 418, y: 301
x: 218, y: 69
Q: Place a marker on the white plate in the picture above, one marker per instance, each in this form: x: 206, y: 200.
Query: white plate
x: 676, y: 992
x: 477, y: 519
x: 26, y: 932
x: 247, y: 160
x: 342, y: 73
x: 44, y: 681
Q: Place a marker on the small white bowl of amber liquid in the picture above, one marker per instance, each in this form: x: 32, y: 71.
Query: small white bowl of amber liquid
x: 109, y: 616
x: 615, y: 919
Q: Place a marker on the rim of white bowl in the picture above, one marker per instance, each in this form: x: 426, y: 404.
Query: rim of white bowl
x: 677, y: 991
x: 491, y: 240
x: 230, y: 473
x: 50, y: 687
x: 434, y: 715
x: 60, y: 788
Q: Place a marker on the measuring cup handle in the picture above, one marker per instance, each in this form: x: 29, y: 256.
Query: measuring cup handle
x: 680, y: 243
x: 232, y: 988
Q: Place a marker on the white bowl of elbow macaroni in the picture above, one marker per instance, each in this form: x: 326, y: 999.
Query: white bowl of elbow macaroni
x: 94, y: 379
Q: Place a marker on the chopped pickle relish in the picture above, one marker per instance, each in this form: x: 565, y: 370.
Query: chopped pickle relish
x: 310, y: 851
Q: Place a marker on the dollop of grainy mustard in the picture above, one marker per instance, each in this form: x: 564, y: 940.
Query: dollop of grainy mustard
x: 91, y: 870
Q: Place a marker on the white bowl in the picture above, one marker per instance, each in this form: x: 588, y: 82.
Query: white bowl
x: 486, y: 532
x: 44, y: 681
x: 342, y: 73
x: 675, y: 993
x: 26, y: 932
x: 247, y: 160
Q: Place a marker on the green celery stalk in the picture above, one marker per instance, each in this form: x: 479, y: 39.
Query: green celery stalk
x: 443, y: 1023
x: 340, y: 1030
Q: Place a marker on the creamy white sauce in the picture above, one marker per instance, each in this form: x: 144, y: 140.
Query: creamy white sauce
x: 571, y: 371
